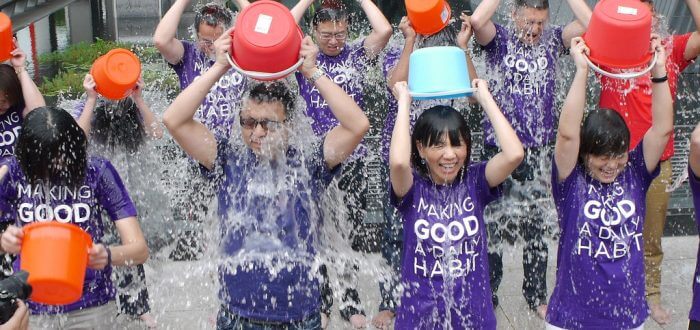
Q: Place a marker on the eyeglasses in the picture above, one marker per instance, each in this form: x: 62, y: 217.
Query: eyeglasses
x: 266, y: 124
x: 340, y: 36
x: 205, y: 42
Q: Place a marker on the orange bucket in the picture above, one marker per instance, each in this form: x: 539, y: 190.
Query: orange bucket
x: 55, y: 255
x: 6, y: 43
x: 619, y: 34
x: 428, y: 16
x: 266, y: 41
x: 116, y: 73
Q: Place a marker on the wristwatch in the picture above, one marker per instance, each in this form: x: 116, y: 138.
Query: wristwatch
x: 318, y: 74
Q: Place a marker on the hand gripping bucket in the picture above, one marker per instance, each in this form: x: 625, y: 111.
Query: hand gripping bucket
x: 116, y: 73
x: 55, y: 255
x: 438, y: 73
x: 266, y: 41
x: 6, y: 42
x: 428, y: 16
x: 618, y: 37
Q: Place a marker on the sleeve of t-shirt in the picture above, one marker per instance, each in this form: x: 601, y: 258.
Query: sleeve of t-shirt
x: 223, y: 150
x: 680, y: 42
x: 112, y: 194
x: 493, y: 48
x: 476, y: 174
x: 560, y: 189
x: 187, y: 55
x: 77, y: 110
x: 322, y: 173
x: 391, y: 58
x: 402, y: 204
x: 695, y: 188
x: 7, y: 194
x: 559, y: 37
x: 636, y: 160
x: 359, y: 53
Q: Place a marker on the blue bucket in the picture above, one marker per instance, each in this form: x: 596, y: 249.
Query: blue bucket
x: 438, y: 73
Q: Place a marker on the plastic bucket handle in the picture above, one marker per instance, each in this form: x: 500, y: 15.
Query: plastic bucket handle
x: 264, y: 75
x: 626, y: 75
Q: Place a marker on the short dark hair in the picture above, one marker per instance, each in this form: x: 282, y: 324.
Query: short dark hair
x: 604, y: 133
x: 212, y: 14
x: 118, y: 124
x: 445, y: 37
x: 429, y: 128
x: 10, y: 85
x: 535, y: 4
x: 330, y: 15
x: 274, y: 92
x: 52, y: 148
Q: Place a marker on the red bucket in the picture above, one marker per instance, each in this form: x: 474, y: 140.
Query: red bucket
x: 619, y: 34
x: 55, y: 255
x: 266, y: 41
x: 428, y: 16
x: 6, y: 42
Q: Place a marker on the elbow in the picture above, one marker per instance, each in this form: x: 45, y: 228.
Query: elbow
x: 363, y: 126
x: 477, y: 22
x: 385, y: 32
x: 516, y: 157
x: 399, y: 166
x: 141, y: 254
x: 168, y: 119
x: 160, y: 42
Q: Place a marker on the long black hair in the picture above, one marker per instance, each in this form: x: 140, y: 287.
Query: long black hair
x: 52, y: 148
x: 10, y: 84
x: 604, y: 133
x: 429, y: 128
x: 118, y: 125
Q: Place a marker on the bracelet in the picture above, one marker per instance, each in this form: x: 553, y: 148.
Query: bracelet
x: 109, y: 255
x: 660, y: 79
x: 318, y: 74
x: 20, y: 69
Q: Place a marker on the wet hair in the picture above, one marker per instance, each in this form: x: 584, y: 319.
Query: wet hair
x: 445, y: 37
x: 118, y: 124
x: 274, y: 92
x: 10, y: 85
x: 213, y: 15
x: 604, y: 133
x: 429, y: 128
x: 52, y: 148
x: 330, y: 14
x: 534, y: 4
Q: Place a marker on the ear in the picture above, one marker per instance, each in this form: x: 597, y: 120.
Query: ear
x: 421, y: 149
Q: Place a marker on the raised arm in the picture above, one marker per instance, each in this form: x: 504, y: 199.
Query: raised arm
x: 165, y: 37
x: 692, y: 48
x: 88, y: 113
x: 484, y: 29
x: 400, y: 172
x: 656, y: 138
x: 569, y: 133
x: 400, y: 71
x: 30, y: 93
x: 570, y: 31
x: 300, y: 8
x: 694, y: 157
x: 342, y: 140
x: 381, y: 29
x: 503, y: 163
x: 195, y: 138
x: 150, y: 123
x: 242, y: 4
x: 581, y: 11
x: 465, y: 33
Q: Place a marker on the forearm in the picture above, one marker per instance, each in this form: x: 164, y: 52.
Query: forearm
x: 300, y: 8
x: 483, y: 13
x: 183, y: 109
x: 381, y: 28
x: 86, y: 117
x: 131, y: 253
x: 505, y: 134
x: 581, y: 11
x: 165, y: 36
x: 694, y: 7
x: 661, y: 105
x: 30, y: 92
x: 343, y: 107
x: 400, y: 72
x: 242, y: 4
x: 400, y: 147
x: 153, y: 129
x: 573, y: 107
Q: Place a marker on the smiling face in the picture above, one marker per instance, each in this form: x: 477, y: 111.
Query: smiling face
x: 263, y: 127
x: 529, y: 24
x: 443, y: 159
x: 605, y: 168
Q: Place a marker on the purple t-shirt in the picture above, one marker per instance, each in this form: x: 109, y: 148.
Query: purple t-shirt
x: 347, y: 70
x: 10, y: 125
x: 268, y: 221
x: 522, y: 80
x: 102, y: 191
x: 695, y: 188
x: 445, y: 270
x: 219, y: 109
x: 600, y: 263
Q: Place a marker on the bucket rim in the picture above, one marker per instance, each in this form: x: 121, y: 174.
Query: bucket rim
x: 455, y: 93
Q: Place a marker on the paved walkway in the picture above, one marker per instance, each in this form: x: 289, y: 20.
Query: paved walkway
x: 184, y: 293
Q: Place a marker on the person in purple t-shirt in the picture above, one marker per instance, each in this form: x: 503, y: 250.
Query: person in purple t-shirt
x: 599, y: 190
x: 521, y: 63
x: 694, y: 180
x: 18, y: 96
x: 271, y: 283
x: 441, y: 198
x: 347, y: 64
x: 51, y: 178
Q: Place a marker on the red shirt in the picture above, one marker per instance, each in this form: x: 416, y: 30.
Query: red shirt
x: 631, y: 98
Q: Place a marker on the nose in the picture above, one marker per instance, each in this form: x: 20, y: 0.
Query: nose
x: 449, y: 153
